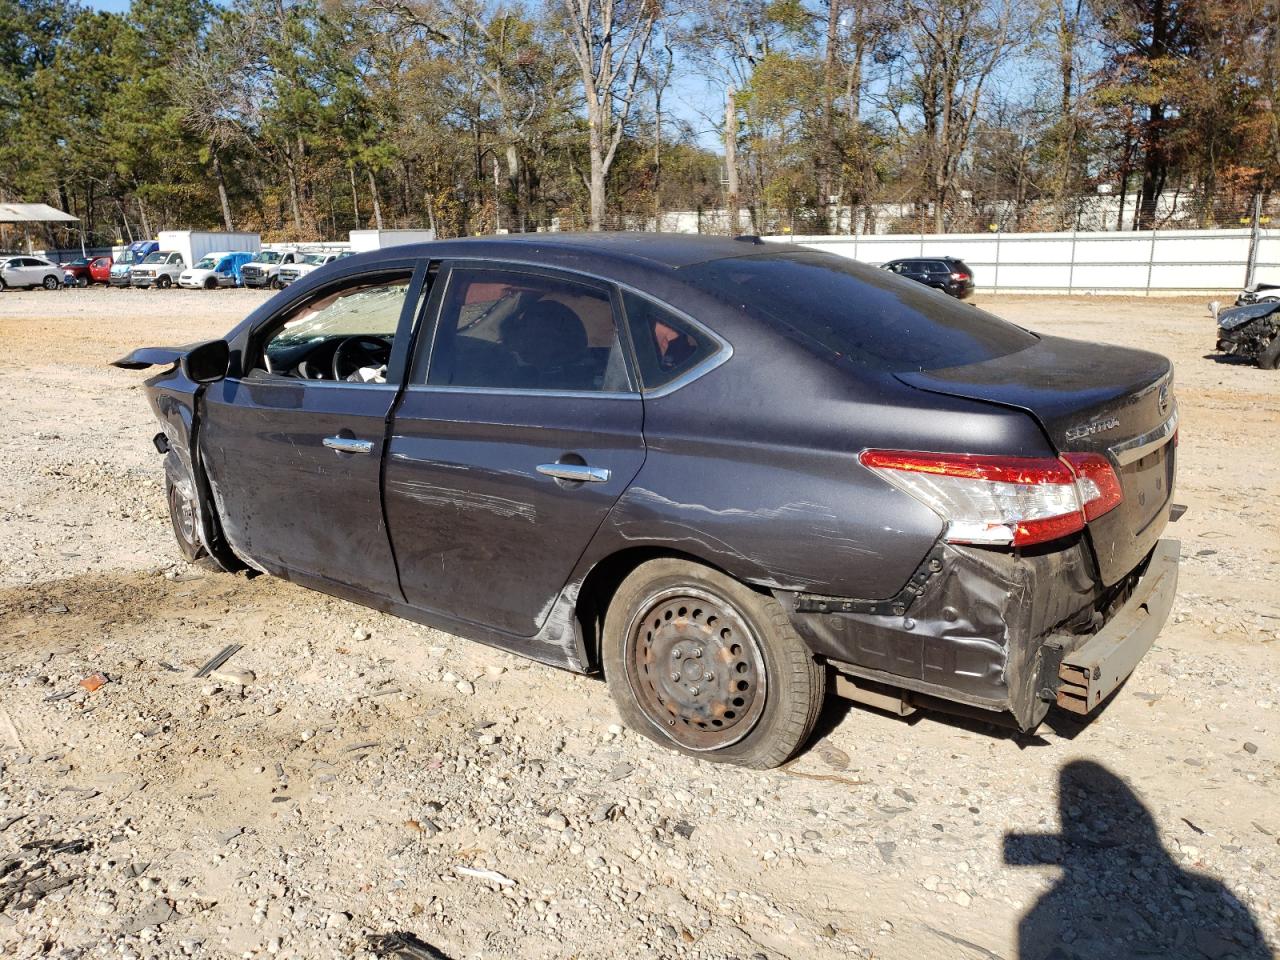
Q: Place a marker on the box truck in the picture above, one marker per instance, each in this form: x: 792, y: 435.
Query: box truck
x: 362, y: 240
x: 180, y: 249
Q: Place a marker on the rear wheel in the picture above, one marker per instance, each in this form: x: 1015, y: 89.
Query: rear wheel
x: 182, y: 514
x: 1269, y: 358
x: 701, y: 663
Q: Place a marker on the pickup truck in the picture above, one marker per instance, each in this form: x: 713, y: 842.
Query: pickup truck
x: 83, y: 271
x: 264, y: 269
x: 161, y: 270
x: 122, y: 269
x: 307, y: 264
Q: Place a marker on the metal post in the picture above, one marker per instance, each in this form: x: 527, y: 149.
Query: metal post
x: 1251, y: 261
x: 1071, y: 270
x: 995, y: 280
x: 1151, y: 260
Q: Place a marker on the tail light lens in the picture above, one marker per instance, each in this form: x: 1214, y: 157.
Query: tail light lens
x: 1008, y: 501
x: 959, y: 276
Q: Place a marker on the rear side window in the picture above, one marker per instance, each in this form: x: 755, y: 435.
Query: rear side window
x: 506, y: 329
x: 666, y: 346
x: 848, y: 312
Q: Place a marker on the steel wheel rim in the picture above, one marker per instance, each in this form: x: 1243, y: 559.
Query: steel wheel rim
x: 679, y: 637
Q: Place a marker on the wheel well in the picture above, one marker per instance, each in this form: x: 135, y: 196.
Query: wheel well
x: 602, y: 583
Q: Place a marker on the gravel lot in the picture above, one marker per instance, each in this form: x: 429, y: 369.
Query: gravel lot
x: 347, y: 773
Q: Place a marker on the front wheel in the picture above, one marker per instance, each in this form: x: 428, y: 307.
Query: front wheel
x: 163, y: 282
x: 1269, y: 358
x: 182, y: 514
x: 276, y: 284
x: 51, y: 282
x: 701, y: 663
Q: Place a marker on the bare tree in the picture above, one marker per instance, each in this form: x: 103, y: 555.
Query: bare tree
x: 609, y: 40
x: 957, y: 44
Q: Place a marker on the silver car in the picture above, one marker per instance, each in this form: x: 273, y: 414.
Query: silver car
x: 30, y: 272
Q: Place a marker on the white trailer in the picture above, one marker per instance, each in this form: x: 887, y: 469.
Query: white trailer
x: 181, y: 249
x: 363, y: 240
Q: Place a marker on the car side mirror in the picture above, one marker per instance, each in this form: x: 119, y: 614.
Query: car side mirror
x: 206, y: 363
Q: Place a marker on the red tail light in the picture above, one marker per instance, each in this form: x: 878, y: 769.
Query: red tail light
x: 1014, y: 501
x: 959, y: 276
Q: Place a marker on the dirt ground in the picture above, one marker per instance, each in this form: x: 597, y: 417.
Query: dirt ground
x: 347, y: 773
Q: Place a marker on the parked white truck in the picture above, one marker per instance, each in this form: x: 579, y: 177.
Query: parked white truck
x: 264, y: 269
x: 180, y: 249
x: 308, y: 263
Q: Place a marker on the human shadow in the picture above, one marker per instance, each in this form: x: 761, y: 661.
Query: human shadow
x: 1120, y: 894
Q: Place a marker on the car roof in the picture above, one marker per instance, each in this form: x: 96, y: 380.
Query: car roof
x: 672, y: 250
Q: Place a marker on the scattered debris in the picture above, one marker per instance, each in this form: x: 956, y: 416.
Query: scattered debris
x: 489, y: 876
x: 403, y: 944
x: 218, y: 659
x: 95, y: 681
x: 233, y: 678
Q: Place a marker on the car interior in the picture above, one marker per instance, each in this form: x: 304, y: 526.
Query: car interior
x: 513, y: 331
x: 341, y: 335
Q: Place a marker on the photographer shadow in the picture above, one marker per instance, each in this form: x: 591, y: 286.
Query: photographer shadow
x: 1120, y: 894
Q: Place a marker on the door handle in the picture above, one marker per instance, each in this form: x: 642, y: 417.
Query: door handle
x: 578, y: 472
x: 348, y: 444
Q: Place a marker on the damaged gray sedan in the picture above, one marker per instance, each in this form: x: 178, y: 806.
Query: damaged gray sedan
x: 1252, y: 332
x: 726, y: 474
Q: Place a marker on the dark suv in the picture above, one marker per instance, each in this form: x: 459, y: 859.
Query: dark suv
x: 953, y: 277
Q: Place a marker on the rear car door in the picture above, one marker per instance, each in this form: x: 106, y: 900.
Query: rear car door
x: 518, y: 430
x: 293, y: 446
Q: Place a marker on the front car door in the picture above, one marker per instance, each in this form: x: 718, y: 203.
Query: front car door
x: 293, y: 446
x: 519, y: 428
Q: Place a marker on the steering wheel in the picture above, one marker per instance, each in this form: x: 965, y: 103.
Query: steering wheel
x: 355, y: 352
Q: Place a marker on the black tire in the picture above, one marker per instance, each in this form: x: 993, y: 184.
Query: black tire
x: 3, y: 285
x: 51, y: 282
x: 163, y: 282
x: 765, y: 691
x: 182, y: 517
x: 210, y: 283
x: 1269, y: 358
x: 276, y: 284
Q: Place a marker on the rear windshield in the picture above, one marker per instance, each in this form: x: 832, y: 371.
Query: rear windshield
x: 851, y: 312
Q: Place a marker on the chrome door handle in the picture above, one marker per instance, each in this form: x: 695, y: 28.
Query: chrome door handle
x: 579, y: 472
x: 348, y: 444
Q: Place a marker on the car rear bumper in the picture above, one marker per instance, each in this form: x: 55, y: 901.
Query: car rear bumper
x: 999, y: 631
x: 1091, y: 673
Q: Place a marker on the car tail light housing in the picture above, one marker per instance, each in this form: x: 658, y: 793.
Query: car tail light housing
x: 959, y: 276
x: 1003, y: 501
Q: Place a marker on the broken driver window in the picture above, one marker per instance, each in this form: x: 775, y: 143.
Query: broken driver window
x: 341, y: 335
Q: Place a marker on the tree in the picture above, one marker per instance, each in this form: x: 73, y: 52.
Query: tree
x: 609, y: 40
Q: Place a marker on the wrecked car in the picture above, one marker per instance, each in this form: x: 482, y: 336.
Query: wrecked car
x: 1252, y: 332
x: 725, y: 473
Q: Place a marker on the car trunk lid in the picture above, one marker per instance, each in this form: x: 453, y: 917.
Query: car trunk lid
x: 1090, y: 398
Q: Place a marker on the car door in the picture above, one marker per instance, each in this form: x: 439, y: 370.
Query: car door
x: 293, y: 445
x: 33, y: 271
x: 519, y: 428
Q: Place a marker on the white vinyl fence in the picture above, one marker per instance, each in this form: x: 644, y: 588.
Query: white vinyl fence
x: 1142, y: 263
